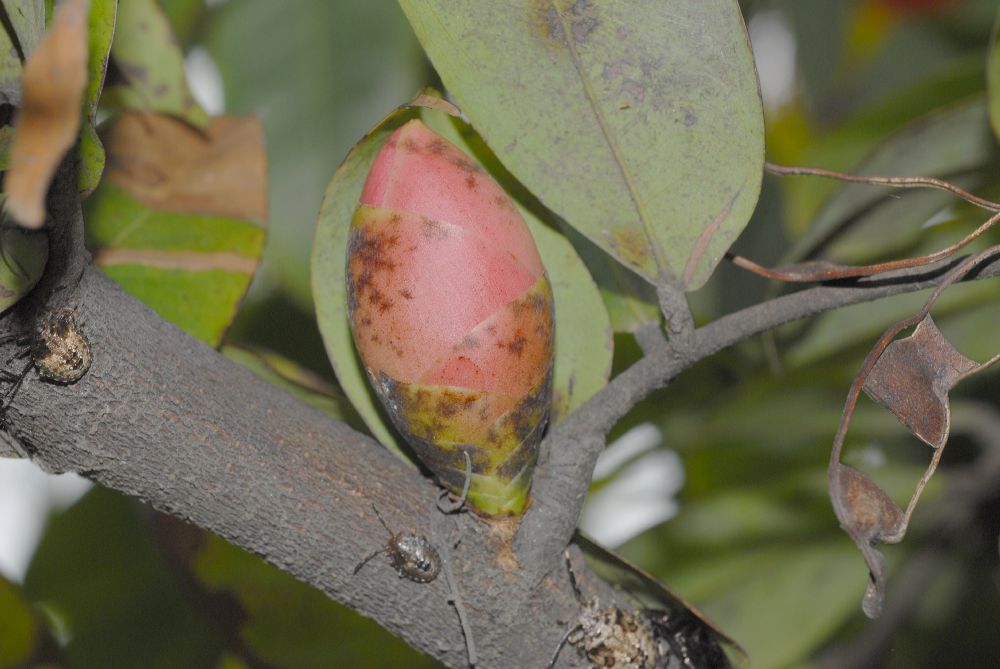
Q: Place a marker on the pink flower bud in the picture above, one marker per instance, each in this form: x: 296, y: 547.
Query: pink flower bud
x: 452, y: 315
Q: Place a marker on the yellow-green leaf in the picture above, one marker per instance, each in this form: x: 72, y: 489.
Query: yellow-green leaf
x: 637, y: 121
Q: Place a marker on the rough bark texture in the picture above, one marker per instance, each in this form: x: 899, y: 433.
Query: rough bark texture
x: 169, y: 421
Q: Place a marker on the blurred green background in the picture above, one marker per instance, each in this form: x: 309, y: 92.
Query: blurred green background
x: 892, y: 83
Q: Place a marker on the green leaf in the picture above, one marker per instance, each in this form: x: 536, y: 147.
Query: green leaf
x: 845, y: 145
x: 993, y: 77
x: 637, y: 121
x: 291, y: 625
x: 149, y: 58
x: 19, y: 627
x: 630, y: 301
x: 583, y: 337
x: 942, y: 144
x: 100, y: 31
x: 23, y: 254
x: 28, y: 20
x: 6, y: 143
x: 779, y: 602
x: 192, y: 269
x: 10, y: 64
x: 99, y: 570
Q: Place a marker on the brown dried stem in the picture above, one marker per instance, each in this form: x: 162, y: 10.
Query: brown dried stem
x: 863, y: 534
x: 817, y: 272
x: 891, y: 182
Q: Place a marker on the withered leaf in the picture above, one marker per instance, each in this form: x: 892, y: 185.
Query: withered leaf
x: 869, y: 516
x: 866, y: 511
x: 53, y: 83
x: 912, y: 378
x: 167, y: 164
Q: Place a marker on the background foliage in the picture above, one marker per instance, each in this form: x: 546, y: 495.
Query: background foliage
x: 891, y: 86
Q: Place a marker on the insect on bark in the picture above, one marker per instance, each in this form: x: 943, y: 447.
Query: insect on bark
x: 411, y: 555
x: 57, y: 348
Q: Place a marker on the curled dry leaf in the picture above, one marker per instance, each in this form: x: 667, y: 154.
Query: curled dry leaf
x: 870, y: 517
x: 167, y: 164
x: 912, y: 379
x: 53, y: 83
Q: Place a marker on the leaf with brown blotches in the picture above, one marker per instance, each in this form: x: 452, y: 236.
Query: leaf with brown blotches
x: 912, y: 378
x: 55, y: 76
x: 166, y: 164
x: 178, y: 220
x: 151, y: 61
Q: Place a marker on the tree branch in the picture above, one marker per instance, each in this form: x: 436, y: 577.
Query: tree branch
x: 165, y: 419
x: 570, y: 451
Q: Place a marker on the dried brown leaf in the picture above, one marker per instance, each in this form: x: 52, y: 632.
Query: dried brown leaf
x: 869, y: 516
x: 167, y: 164
x: 53, y: 83
x: 912, y: 378
x: 873, y: 515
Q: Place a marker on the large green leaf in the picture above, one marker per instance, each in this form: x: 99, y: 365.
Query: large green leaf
x: 637, y: 121
x: 583, y: 335
x: 178, y: 219
x: 193, y: 270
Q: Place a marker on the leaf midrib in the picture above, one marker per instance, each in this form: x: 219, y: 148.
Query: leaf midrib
x: 647, y: 227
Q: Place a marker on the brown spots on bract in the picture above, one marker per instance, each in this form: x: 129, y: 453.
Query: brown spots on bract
x: 437, y: 147
x: 369, y: 256
x: 470, y: 182
x: 432, y: 230
x: 451, y: 402
x: 516, y: 344
x: 406, y: 294
x: 504, y: 202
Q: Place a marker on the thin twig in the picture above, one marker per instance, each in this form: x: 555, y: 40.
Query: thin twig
x: 891, y: 182
x: 815, y: 272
